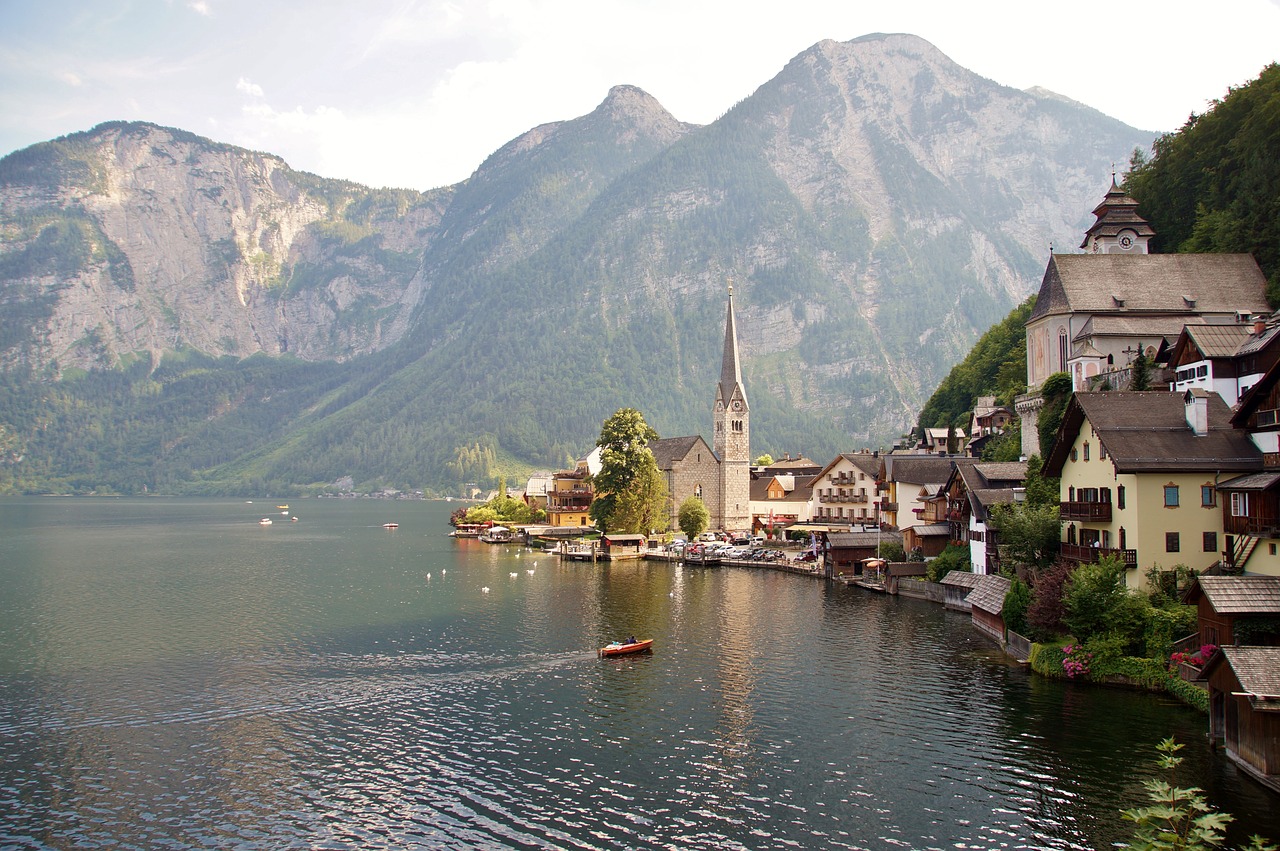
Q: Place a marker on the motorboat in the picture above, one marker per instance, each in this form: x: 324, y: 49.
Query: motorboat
x: 624, y: 648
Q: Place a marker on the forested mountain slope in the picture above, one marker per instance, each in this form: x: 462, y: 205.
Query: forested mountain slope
x: 876, y: 207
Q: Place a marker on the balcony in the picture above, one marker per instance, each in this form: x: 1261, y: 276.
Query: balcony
x: 1088, y: 555
x: 888, y: 506
x: 1260, y: 527
x: 1089, y: 512
x: 858, y: 497
x: 1270, y: 460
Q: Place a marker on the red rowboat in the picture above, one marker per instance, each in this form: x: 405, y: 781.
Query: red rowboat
x: 619, y: 648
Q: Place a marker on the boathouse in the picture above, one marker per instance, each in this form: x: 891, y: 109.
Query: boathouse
x: 1244, y: 708
x: 624, y: 546
x: 987, y: 605
x: 956, y: 586
x: 1232, y: 608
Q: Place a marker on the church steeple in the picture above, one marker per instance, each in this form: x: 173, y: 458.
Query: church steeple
x: 1118, y: 229
x: 730, y: 368
x: 732, y: 435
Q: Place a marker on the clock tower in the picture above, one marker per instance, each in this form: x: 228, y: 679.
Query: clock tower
x: 732, y: 436
x: 1118, y: 229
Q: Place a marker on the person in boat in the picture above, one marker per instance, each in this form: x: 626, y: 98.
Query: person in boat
x: 631, y: 640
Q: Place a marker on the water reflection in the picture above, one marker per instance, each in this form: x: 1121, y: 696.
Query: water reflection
x: 336, y: 684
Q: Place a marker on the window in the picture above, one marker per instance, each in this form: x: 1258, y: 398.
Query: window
x: 1120, y: 497
x: 1239, y: 505
x: 1102, y: 451
x: 1171, y: 499
x: 1086, y: 450
x: 1122, y: 538
x: 1210, y: 542
x: 1074, y: 455
x: 1271, y: 549
x: 1062, y: 349
x: 1171, y: 543
x: 1207, y: 498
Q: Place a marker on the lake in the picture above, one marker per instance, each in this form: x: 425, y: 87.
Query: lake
x: 175, y: 675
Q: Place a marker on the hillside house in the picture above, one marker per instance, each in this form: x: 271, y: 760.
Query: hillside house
x: 1251, y: 503
x: 780, y: 500
x: 1139, y: 475
x: 906, y: 481
x: 1224, y: 359
x: 970, y: 494
x: 569, y: 493
x: 1096, y: 311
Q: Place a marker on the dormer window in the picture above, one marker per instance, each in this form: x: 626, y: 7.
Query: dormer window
x: 1189, y: 301
x: 1119, y: 302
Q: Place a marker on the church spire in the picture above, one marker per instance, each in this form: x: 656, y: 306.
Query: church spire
x: 730, y: 366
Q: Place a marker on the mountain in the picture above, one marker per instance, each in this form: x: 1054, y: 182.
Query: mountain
x: 875, y: 206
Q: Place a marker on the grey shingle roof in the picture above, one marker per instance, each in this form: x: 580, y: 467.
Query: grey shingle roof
x: 919, y: 469
x: 668, y: 450
x: 1219, y: 341
x: 1147, y: 431
x: 1258, y: 670
x: 1086, y: 283
x: 962, y: 578
x: 989, y: 595
x: 862, y: 539
x: 1242, y: 595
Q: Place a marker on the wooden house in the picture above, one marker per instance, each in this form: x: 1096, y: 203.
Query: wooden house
x: 1244, y: 708
x: 844, y: 552
x: 624, y: 546
x: 1233, y: 608
x: 956, y: 586
x: 987, y: 606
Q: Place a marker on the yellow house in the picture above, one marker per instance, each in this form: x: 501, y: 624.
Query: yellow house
x: 1139, y: 475
x: 1251, y: 503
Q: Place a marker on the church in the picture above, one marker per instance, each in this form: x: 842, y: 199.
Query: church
x: 1097, y: 310
x: 719, y: 475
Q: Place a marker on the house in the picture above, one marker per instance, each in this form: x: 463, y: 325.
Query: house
x: 618, y: 547
x: 1096, y: 311
x: 930, y: 534
x: 1251, y: 503
x: 906, y: 481
x: 971, y: 493
x: 844, y: 491
x: 988, y: 418
x: 689, y: 468
x: 956, y: 586
x: 535, y: 490
x: 1225, y: 359
x: 1244, y: 708
x: 986, y: 604
x: 1224, y: 603
x: 1139, y: 475
x: 779, y: 500
x: 569, y: 493
x: 943, y: 440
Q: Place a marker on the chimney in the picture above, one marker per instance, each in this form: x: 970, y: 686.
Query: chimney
x: 1259, y: 324
x: 1019, y: 494
x: 1197, y: 405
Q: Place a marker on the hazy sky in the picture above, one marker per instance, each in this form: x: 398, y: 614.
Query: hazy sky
x: 417, y: 94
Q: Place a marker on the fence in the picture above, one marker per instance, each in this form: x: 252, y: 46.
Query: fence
x: 1017, y: 646
x: 931, y: 591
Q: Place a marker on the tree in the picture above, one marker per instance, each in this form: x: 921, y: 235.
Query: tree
x: 1044, y: 615
x: 1096, y: 601
x: 1016, y: 604
x: 693, y: 517
x: 953, y: 557
x: 953, y: 439
x: 1028, y: 534
x: 1140, y: 373
x: 629, y: 490
x: 1040, y: 489
x: 764, y: 460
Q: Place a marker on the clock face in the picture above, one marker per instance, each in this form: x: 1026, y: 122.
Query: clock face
x: 737, y: 406
x: 1126, y: 240
x: 719, y: 406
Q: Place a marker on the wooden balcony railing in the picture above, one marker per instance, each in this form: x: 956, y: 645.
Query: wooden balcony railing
x: 1088, y: 554
x: 1090, y: 512
x: 1262, y: 527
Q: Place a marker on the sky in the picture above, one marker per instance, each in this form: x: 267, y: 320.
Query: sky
x: 417, y: 94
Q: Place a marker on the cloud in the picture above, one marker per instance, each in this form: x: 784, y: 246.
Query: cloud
x: 200, y: 7
x: 71, y: 78
x: 247, y: 87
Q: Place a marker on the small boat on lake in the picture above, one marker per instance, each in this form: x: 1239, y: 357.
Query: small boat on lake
x: 468, y: 530
x: 265, y: 521
x: 283, y: 507
x: 498, y: 535
x: 623, y: 648
x: 390, y: 525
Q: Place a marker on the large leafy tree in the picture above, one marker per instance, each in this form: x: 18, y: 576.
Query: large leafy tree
x: 1028, y: 533
x: 630, y: 494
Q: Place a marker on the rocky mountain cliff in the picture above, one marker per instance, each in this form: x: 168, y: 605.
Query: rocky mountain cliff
x: 875, y: 205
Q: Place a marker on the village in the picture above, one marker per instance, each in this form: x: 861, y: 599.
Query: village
x: 1166, y: 462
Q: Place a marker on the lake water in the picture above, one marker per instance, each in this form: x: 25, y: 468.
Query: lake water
x: 174, y: 675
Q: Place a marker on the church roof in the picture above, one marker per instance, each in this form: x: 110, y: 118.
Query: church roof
x: 668, y: 450
x: 1125, y: 284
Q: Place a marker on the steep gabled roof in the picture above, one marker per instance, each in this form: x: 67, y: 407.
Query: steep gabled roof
x: 669, y: 450
x: 1147, y: 431
x: 921, y: 469
x: 1188, y: 284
